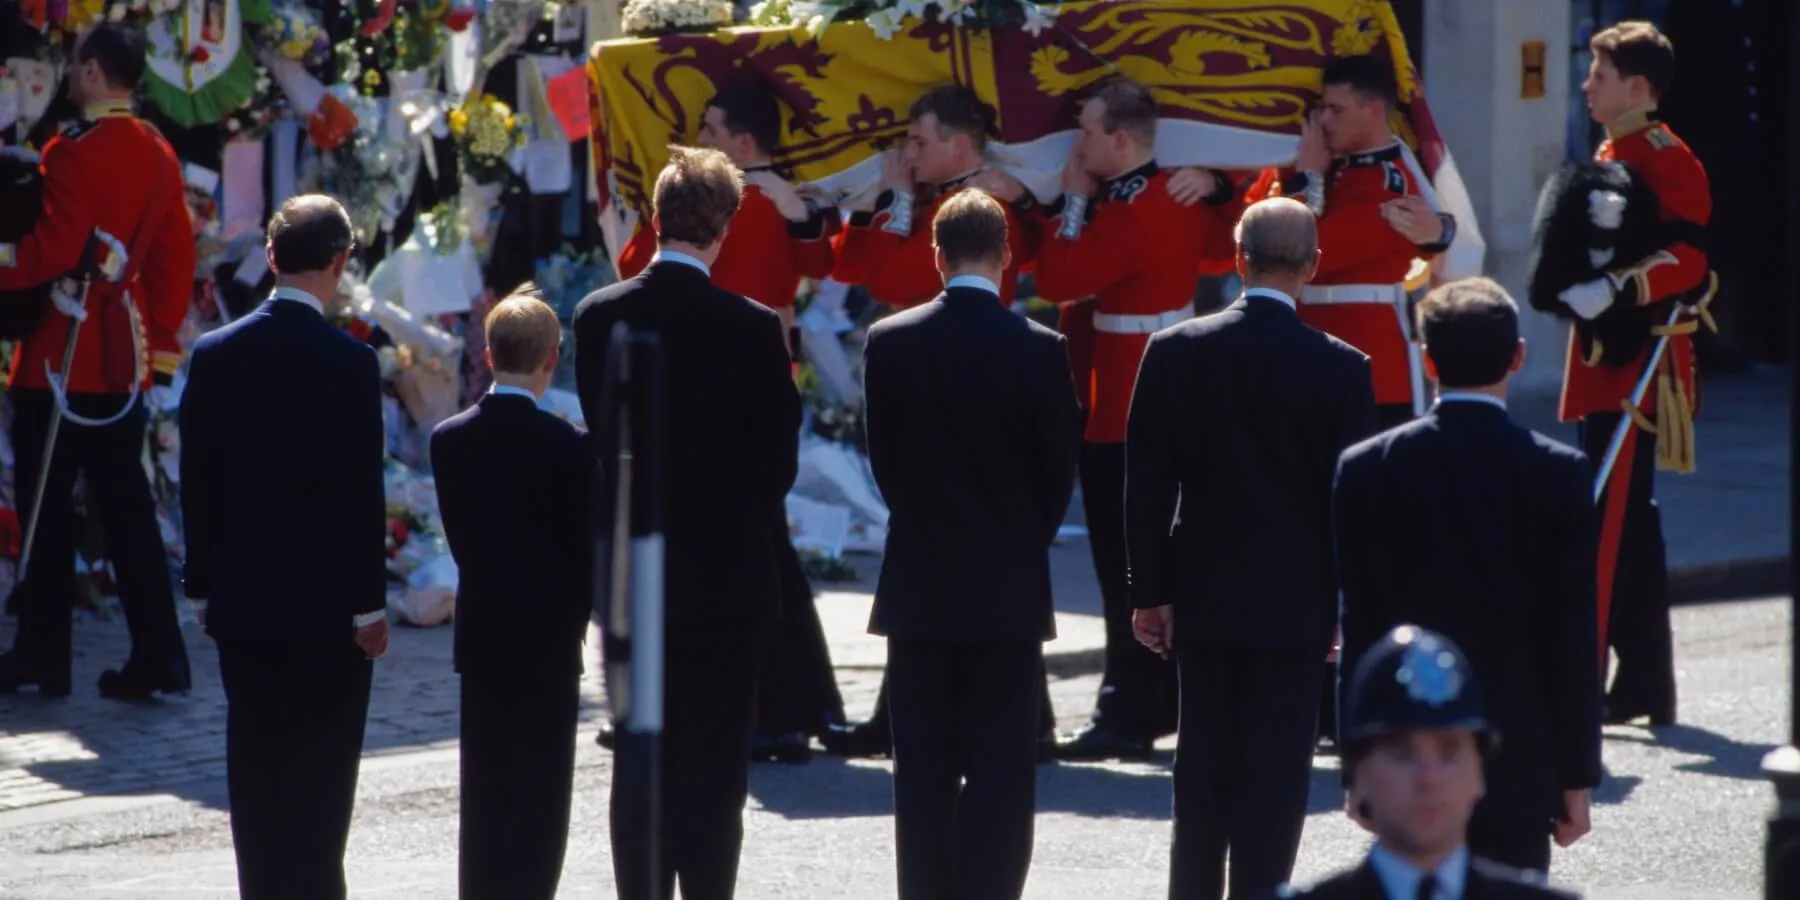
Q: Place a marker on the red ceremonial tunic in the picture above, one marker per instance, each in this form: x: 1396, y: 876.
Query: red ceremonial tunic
x: 1358, y: 246
x: 764, y: 255
x: 1652, y: 152
x: 1135, y: 256
x: 889, y: 251
x: 104, y: 173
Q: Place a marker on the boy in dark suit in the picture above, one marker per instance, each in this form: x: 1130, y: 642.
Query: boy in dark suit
x: 1416, y: 741
x: 972, y: 431
x: 282, y: 498
x: 733, y: 445
x: 513, y: 486
x: 1467, y: 523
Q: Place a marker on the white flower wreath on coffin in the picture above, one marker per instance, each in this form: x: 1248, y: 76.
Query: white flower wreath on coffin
x: 651, y: 16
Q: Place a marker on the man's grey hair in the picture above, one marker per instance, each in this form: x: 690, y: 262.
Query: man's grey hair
x: 1278, y: 236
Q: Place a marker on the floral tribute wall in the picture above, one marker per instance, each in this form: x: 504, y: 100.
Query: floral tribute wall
x: 454, y: 131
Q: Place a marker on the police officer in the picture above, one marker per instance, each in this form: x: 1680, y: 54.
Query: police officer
x: 1416, y: 739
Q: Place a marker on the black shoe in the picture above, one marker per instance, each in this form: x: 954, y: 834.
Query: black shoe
x: 14, y: 674
x: 143, y: 682
x: 1615, y: 714
x: 857, y: 741
x: 793, y: 748
x: 1097, y: 743
x: 606, y: 738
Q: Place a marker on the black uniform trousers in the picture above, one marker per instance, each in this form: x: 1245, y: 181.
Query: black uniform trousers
x: 881, y: 718
x: 797, y: 692
x: 1516, y: 842
x: 708, y: 701
x: 293, y: 741
x: 1242, y: 768
x: 965, y: 766
x: 111, y: 456
x: 1140, y: 692
x: 518, y: 774
x: 1638, y: 628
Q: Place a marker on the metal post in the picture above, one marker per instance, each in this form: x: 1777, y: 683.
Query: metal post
x: 629, y: 592
x: 1781, y: 862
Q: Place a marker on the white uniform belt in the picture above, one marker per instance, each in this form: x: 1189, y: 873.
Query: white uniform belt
x: 1114, y: 323
x: 1353, y: 293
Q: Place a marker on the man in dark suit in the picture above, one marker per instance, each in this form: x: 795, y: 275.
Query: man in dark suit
x: 973, y: 429
x: 1468, y: 524
x: 732, y: 442
x: 513, y: 485
x: 1234, y: 433
x: 1417, y: 738
x: 282, y: 498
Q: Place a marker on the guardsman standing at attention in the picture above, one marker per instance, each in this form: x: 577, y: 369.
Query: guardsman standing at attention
x: 1120, y: 237
x: 1633, y: 66
x: 113, y: 173
x: 889, y: 250
x: 1416, y: 741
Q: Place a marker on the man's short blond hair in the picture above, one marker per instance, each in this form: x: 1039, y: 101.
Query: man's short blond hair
x: 522, y: 332
x: 970, y: 227
x: 696, y: 195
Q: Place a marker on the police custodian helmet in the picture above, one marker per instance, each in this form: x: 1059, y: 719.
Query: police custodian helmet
x: 1413, y: 679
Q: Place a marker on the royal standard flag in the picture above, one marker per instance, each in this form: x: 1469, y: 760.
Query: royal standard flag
x: 1234, y: 79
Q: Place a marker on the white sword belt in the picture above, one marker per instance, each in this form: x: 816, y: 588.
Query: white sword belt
x: 1323, y: 294
x: 1115, y: 323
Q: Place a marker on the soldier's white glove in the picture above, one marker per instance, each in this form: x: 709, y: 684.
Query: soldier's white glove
x: 1591, y: 299
x: 163, y: 398
x: 66, y: 295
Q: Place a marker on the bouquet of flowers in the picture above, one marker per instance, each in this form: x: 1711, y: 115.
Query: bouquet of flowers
x: 565, y: 278
x: 886, y: 17
x: 649, y: 17
x: 294, y: 32
x: 486, y: 133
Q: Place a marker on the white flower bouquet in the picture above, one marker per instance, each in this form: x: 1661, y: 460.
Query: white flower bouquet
x: 651, y: 17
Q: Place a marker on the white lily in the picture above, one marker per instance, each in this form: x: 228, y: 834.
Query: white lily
x: 886, y: 23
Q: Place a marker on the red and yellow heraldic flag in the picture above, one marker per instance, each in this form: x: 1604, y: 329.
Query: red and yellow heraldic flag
x: 1234, y: 79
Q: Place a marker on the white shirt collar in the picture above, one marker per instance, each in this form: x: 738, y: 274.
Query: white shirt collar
x: 1470, y: 397
x: 513, y: 391
x: 1272, y: 294
x: 1401, y: 880
x: 973, y: 281
x: 298, y: 295
x: 683, y: 258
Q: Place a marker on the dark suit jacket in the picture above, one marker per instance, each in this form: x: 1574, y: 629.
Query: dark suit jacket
x: 731, y: 432
x: 1468, y: 524
x: 282, y: 493
x: 973, y: 430
x: 1235, y: 430
x: 514, y: 487
x: 1487, y: 881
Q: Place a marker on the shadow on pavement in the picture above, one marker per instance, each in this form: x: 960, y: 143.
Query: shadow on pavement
x: 1725, y: 757
x: 832, y: 788
x: 83, y: 745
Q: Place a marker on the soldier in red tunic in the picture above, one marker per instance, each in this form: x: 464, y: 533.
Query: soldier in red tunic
x: 1633, y: 65
x: 776, y: 239
x: 1118, y: 236
x: 889, y: 250
x: 1377, y: 214
x: 115, y: 173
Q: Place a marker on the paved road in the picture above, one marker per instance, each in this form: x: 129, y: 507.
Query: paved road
x: 1681, y: 815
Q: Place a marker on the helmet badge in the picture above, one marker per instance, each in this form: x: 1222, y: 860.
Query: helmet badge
x: 1428, y: 672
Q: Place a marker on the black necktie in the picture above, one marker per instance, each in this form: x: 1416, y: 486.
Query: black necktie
x: 1428, y: 887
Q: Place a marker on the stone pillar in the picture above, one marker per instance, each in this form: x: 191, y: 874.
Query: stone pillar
x: 1506, y: 145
